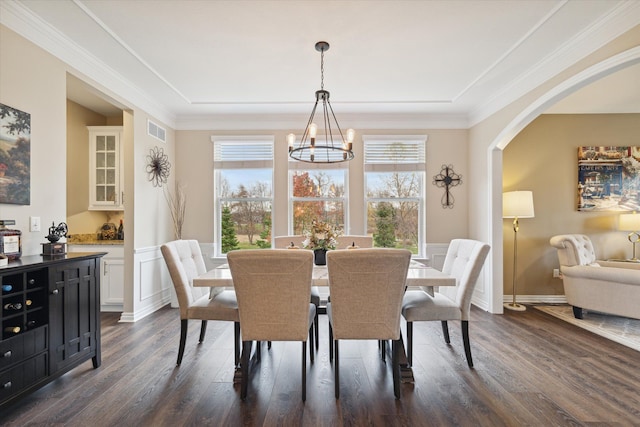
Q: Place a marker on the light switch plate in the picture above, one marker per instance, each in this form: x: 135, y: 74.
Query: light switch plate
x: 34, y: 223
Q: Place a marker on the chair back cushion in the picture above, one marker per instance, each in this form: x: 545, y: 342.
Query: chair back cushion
x: 184, y: 261
x: 464, y: 261
x: 366, y: 287
x: 574, y: 249
x: 283, y: 242
x: 273, y: 287
x: 360, y: 241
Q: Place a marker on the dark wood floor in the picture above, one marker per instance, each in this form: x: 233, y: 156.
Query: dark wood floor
x: 530, y: 369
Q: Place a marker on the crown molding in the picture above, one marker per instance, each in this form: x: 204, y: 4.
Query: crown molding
x: 292, y: 121
x: 22, y: 21
x: 623, y: 18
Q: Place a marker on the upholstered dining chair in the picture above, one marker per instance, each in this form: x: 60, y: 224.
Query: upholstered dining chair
x: 282, y: 242
x: 366, y: 288
x: 464, y: 261
x: 347, y: 240
x: 184, y: 261
x: 279, y: 279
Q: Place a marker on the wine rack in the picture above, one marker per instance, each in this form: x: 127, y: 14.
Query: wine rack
x: 25, y: 306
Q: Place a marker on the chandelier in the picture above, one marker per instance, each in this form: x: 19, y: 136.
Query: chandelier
x: 332, y: 146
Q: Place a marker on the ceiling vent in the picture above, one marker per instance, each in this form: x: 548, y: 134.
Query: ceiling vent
x: 156, y: 131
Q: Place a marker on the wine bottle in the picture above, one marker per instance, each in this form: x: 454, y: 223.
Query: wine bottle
x: 7, y: 288
x: 121, y: 231
x: 13, y: 306
x: 31, y: 324
x: 12, y: 329
x: 28, y: 302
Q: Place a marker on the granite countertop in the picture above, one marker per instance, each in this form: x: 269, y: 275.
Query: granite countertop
x: 90, y: 239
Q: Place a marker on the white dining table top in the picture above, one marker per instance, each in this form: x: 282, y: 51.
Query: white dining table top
x: 418, y: 275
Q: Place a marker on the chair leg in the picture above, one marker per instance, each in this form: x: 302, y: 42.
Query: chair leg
x: 244, y: 367
x: 336, y: 370
x: 304, y: 369
x: 395, y: 366
x: 268, y: 345
x: 203, y: 330
x: 317, y: 331
x: 465, y: 341
x: 183, y: 339
x: 330, y: 343
x: 258, y: 351
x: 383, y: 347
x: 410, y: 343
x: 311, y: 356
x: 236, y: 342
x: 445, y: 332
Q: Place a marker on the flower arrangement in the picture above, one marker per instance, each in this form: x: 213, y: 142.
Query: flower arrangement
x: 322, y: 235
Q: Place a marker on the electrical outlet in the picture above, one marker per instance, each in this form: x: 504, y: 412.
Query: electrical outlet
x: 34, y: 223
x: 556, y: 272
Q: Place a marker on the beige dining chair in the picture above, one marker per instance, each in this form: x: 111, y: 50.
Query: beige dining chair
x: 357, y: 241
x: 273, y: 287
x: 464, y: 261
x: 283, y: 242
x: 184, y: 261
x: 366, y: 288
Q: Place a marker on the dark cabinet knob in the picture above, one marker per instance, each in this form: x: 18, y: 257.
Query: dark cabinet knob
x: 7, y: 354
x: 7, y: 384
x: 55, y: 292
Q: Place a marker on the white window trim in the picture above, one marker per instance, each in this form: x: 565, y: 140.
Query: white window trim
x: 402, y: 167
x: 238, y: 164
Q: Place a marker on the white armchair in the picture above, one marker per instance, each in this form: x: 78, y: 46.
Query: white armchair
x: 605, y: 286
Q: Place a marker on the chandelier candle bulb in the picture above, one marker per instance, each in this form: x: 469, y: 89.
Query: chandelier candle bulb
x: 291, y: 139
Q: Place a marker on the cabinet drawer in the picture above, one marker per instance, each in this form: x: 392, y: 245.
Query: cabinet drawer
x: 23, y: 375
x: 20, y: 347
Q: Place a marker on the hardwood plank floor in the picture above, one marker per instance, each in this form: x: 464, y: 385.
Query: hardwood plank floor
x: 530, y: 369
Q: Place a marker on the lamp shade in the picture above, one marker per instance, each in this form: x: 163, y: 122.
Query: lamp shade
x: 629, y: 222
x: 517, y: 204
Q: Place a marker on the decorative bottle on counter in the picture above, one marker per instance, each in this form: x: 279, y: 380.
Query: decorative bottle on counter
x: 121, y: 231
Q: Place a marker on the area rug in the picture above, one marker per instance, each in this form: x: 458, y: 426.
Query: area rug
x: 619, y: 329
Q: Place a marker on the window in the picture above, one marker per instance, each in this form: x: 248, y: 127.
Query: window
x: 317, y: 191
x: 243, y: 192
x: 394, y: 191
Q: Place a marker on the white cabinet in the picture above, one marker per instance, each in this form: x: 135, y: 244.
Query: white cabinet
x: 111, y: 274
x: 106, y: 180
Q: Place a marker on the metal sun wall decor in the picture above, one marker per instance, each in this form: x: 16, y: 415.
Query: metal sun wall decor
x: 158, y: 167
x: 608, y: 179
x: 446, y: 179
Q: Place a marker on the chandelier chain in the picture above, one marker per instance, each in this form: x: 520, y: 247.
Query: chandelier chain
x: 322, y: 69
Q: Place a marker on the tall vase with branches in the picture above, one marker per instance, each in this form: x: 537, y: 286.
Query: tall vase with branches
x: 177, y: 206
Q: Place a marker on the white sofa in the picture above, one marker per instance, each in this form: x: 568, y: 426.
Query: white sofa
x: 605, y: 286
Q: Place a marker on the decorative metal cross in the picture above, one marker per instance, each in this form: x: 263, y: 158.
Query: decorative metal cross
x: 446, y: 179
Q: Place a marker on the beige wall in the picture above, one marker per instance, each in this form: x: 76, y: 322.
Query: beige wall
x: 24, y: 85
x: 543, y: 158
x: 489, y: 136
x: 79, y: 219
x: 194, y: 166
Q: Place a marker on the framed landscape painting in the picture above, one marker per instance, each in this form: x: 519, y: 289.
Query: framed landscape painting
x: 15, y: 156
x: 609, y: 178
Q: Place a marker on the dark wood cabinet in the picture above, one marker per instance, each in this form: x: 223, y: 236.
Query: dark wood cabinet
x: 50, y: 320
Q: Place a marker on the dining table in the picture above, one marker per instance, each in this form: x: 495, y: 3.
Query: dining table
x: 418, y: 275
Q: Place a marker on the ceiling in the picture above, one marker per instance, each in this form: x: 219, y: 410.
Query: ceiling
x: 199, y: 63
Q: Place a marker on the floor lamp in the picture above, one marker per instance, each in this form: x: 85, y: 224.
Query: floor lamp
x: 631, y: 222
x: 516, y: 204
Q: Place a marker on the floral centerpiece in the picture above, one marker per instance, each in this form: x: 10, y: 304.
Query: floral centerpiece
x: 320, y: 238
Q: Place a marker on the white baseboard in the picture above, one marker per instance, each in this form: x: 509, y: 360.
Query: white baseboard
x: 536, y: 299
